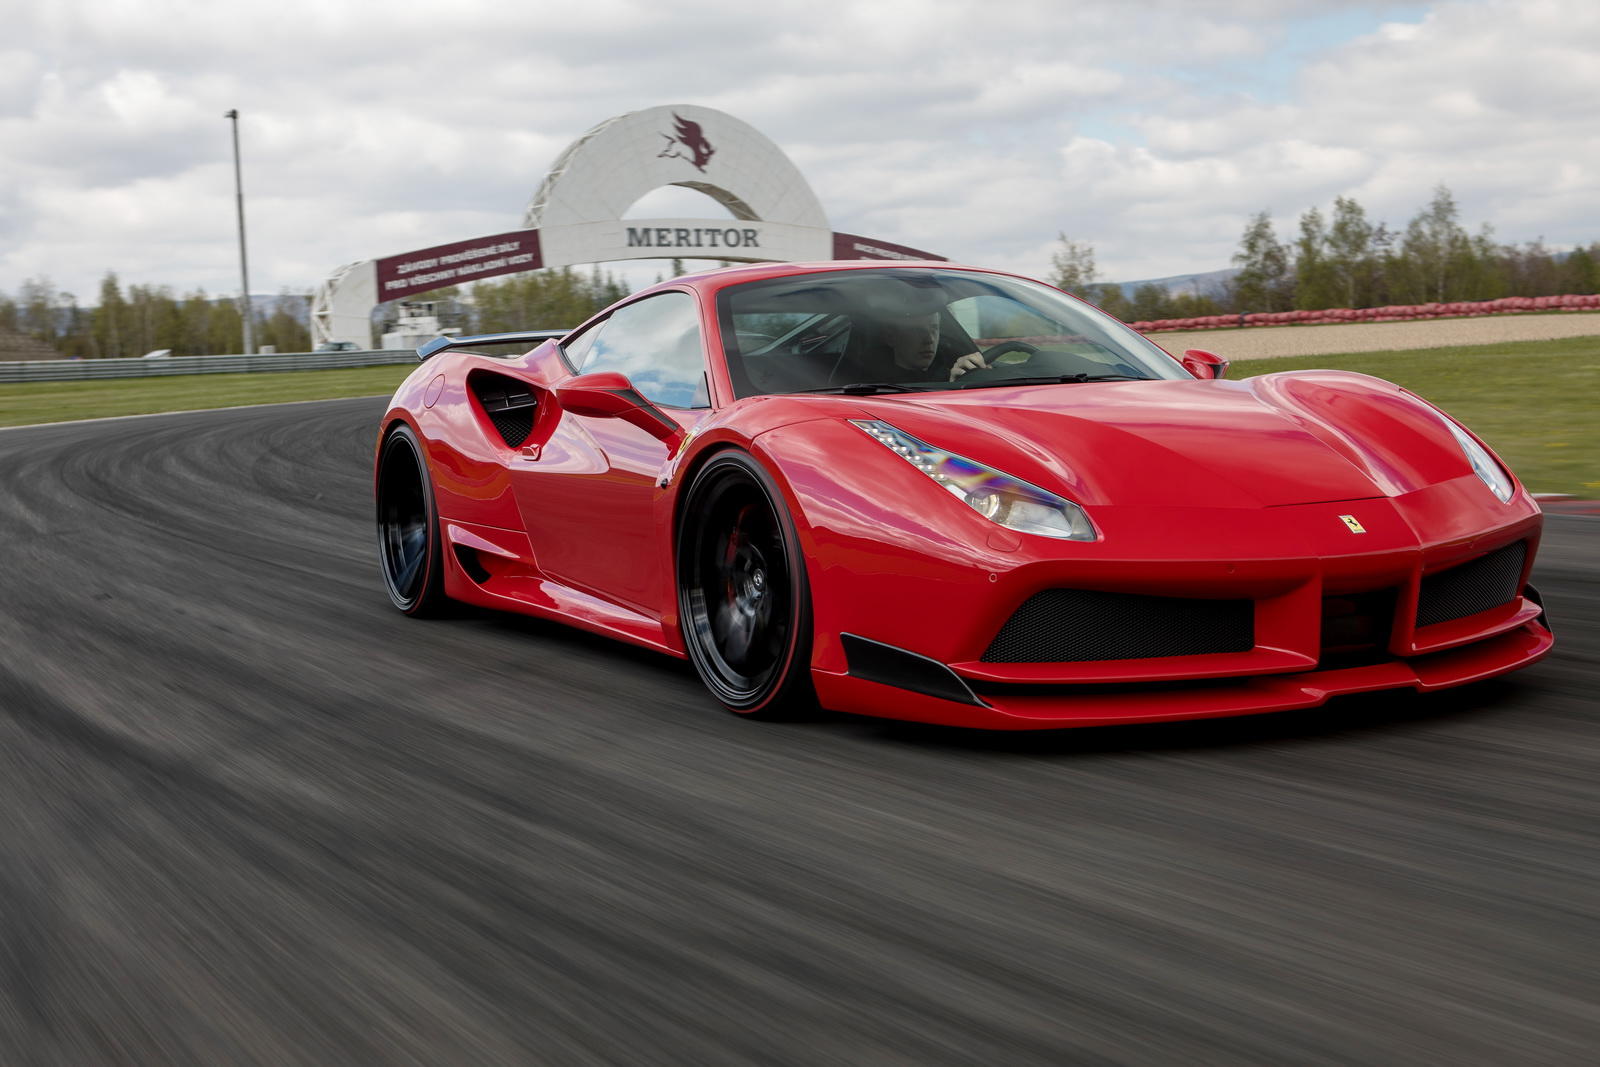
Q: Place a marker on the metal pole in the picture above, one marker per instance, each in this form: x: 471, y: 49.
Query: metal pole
x: 245, y: 310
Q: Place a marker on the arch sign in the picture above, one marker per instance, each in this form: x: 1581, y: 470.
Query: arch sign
x: 576, y: 216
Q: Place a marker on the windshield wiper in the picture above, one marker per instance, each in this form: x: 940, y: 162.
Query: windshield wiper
x: 1051, y: 379
x: 863, y: 388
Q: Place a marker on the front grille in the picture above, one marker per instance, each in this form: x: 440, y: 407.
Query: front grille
x: 1075, y: 625
x: 1477, y: 585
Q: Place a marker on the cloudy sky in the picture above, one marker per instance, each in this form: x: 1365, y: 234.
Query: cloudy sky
x: 977, y: 129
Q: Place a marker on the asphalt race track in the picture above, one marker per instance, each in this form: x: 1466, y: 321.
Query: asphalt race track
x: 249, y: 814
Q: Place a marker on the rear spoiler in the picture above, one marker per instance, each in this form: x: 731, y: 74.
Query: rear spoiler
x: 439, y: 344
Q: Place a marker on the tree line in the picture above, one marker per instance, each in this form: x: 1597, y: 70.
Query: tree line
x: 551, y: 299
x: 1345, y: 259
x: 1342, y: 259
x: 144, y: 318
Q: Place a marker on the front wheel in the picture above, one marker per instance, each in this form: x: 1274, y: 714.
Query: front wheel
x: 743, y: 598
x: 408, y: 526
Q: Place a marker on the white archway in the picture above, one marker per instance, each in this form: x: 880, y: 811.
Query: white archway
x: 575, y: 216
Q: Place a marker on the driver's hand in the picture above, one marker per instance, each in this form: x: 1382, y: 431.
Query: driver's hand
x: 970, y: 361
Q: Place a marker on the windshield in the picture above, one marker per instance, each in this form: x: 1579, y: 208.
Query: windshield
x: 902, y: 329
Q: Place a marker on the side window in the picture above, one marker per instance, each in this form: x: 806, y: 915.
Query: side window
x: 656, y: 343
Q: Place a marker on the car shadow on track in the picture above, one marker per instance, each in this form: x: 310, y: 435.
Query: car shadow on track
x: 555, y: 636
x: 556, y: 647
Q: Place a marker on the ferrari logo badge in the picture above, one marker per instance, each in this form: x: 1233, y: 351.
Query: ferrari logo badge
x: 1355, y: 527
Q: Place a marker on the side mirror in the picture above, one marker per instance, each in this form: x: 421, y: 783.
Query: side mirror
x: 608, y: 395
x: 1203, y: 364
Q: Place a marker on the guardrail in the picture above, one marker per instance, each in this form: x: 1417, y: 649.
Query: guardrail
x: 75, y: 370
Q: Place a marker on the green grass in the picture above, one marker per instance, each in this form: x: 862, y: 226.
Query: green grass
x: 1537, y: 403
x: 25, y: 403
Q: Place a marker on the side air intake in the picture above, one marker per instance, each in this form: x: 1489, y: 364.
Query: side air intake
x: 509, y: 403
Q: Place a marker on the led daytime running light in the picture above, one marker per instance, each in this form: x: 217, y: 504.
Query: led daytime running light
x: 998, y: 497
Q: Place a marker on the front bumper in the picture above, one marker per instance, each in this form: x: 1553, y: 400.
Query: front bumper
x: 1288, y: 562
x: 1047, y: 707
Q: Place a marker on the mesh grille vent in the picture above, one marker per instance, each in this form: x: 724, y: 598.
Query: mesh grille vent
x: 1075, y: 625
x: 513, y: 426
x: 1477, y: 585
x: 508, y: 403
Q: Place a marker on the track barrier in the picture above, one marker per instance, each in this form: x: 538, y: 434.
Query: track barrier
x: 1392, y: 313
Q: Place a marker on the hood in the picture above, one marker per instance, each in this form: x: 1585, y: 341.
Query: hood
x: 1299, y: 437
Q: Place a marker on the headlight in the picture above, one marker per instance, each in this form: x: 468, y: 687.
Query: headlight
x: 998, y: 497
x: 1483, y: 464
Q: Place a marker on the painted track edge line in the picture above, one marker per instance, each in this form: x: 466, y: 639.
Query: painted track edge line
x: 191, y: 411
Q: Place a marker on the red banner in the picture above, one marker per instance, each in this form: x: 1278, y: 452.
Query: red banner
x: 850, y: 246
x: 453, y: 264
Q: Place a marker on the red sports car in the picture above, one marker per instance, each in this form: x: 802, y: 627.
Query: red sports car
x: 953, y: 495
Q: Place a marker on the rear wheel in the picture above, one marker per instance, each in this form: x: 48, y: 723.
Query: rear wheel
x: 408, y: 526
x: 743, y: 598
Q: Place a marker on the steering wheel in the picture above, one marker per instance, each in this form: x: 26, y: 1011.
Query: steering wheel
x: 1010, y: 346
x: 999, y: 372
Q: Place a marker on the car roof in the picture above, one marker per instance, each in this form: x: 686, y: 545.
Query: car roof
x: 711, y: 281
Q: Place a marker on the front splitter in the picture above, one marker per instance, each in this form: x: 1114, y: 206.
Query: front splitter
x: 1056, y: 707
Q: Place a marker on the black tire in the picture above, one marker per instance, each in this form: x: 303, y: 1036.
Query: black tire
x: 743, y: 600
x: 409, y: 543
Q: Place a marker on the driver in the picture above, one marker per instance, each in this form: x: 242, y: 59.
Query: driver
x: 905, y: 348
x: 914, y: 341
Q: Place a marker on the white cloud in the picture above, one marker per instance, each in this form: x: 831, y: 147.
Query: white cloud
x: 1493, y: 99
x: 979, y: 130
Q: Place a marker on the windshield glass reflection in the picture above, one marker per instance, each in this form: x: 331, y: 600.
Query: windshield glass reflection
x: 895, y: 330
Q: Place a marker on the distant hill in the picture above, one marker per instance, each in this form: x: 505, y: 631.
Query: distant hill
x: 1206, y: 283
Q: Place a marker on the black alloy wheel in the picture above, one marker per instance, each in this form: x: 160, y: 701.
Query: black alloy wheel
x: 743, y: 599
x: 408, y: 527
